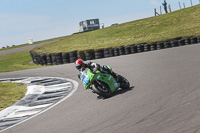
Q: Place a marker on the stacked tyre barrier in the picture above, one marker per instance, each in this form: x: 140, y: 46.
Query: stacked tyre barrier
x: 91, y: 54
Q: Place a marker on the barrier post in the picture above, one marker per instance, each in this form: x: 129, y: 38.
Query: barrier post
x: 156, y: 12
x: 184, y: 5
x: 191, y: 2
x: 179, y: 5
x: 160, y: 10
x: 170, y: 10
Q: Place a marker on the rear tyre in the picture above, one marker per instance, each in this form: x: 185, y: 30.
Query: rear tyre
x: 124, y: 83
x: 102, y: 90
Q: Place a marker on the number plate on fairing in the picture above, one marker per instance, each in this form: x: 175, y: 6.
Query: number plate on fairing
x: 85, y: 79
x: 116, y: 85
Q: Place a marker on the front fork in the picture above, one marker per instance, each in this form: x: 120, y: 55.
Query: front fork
x: 102, y: 88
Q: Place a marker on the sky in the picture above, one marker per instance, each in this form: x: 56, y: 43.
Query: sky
x: 46, y: 19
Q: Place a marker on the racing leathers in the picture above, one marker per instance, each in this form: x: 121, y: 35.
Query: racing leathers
x: 96, y: 67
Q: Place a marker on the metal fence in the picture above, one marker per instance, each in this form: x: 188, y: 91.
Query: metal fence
x: 181, y: 6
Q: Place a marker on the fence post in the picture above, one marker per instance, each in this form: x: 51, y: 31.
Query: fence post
x: 184, y: 5
x: 170, y: 8
x: 156, y: 12
x: 179, y: 5
x: 160, y: 10
x: 191, y: 2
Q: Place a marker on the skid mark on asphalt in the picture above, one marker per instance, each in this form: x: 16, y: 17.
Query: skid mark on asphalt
x: 42, y: 94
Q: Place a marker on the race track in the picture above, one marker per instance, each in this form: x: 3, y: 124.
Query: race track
x: 164, y: 97
x: 24, y: 48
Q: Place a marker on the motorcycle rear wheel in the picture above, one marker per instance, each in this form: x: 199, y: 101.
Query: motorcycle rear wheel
x: 124, y: 84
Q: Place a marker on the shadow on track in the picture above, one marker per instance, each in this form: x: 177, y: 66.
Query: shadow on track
x: 119, y: 92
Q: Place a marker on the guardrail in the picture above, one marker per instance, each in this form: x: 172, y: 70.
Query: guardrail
x: 71, y: 57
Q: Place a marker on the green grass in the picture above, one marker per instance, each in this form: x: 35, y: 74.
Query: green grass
x: 185, y: 22
x: 10, y: 93
x: 16, y: 61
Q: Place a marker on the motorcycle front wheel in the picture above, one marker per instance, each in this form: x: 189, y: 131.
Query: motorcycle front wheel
x: 102, y: 89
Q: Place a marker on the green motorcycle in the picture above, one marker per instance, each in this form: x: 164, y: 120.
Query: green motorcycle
x: 102, y: 84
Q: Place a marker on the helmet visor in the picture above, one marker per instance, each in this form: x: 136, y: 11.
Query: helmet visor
x: 79, y: 66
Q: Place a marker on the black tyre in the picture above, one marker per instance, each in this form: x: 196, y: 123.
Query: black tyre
x: 116, y: 52
x: 124, y: 83
x: 193, y: 40
x: 73, y: 59
x: 153, y: 46
x: 181, y: 42
x: 147, y: 47
x: 140, y: 48
x: 134, y: 49
x: 81, y: 55
x: 53, y: 58
x: 38, y: 59
x: 160, y: 45
x: 111, y: 52
x: 187, y: 41
x: 59, y: 58
x: 73, y: 56
x: 49, y: 60
x: 198, y: 39
x: 121, y: 50
x: 174, y: 43
x: 44, y: 59
x: 127, y: 49
x: 167, y: 44
x: 102, y: 90
x: 99, y: 53
x: 106, y: 52
x: 89, y: 57
x: 89, y: 54
x: 65, y: 57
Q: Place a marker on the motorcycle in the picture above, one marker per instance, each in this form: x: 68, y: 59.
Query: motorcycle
x: 103, y: 84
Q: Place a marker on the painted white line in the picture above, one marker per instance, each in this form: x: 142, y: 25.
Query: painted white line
x: 37, y: 91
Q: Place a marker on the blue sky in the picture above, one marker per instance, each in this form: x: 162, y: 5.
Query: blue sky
x: 45, y: 19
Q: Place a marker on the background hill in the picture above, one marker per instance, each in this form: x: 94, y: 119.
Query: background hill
x: 185, y: 22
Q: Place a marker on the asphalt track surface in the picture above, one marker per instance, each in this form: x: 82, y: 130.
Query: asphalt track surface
x: 164, y: 97
x: 24, y: 48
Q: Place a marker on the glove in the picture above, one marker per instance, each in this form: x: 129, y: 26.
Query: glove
x: 106, y: 69
x: 89, y: 64
x: 95, y: 67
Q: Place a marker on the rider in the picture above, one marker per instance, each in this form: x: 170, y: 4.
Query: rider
x: 81, y: 66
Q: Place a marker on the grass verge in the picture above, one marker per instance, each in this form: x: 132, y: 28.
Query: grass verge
x: 10, y: 93
x: 16, y: 61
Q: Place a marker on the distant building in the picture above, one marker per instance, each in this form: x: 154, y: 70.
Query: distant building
x: 30, y: 40
x: 89, y: 25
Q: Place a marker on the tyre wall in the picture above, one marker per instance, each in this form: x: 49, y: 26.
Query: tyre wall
x: 91, y: 54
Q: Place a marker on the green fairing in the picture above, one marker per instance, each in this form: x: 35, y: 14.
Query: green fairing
x: 109, y: 68
x: 106, y: 78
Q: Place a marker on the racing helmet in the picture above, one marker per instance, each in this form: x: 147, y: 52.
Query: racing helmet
x: 79, y: 64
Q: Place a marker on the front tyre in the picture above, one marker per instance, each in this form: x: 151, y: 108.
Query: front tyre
x: 101, y: 89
